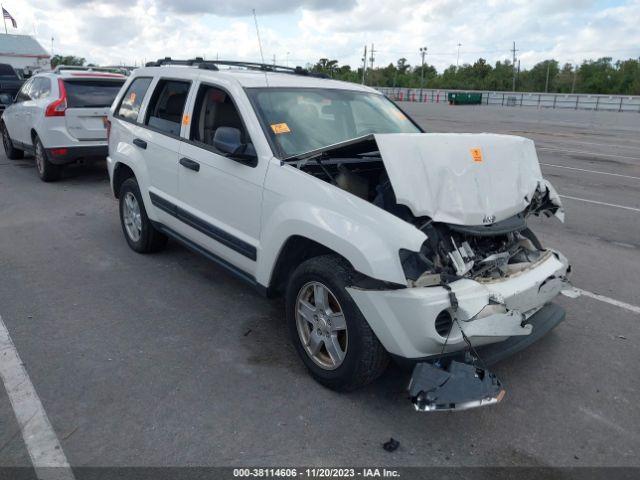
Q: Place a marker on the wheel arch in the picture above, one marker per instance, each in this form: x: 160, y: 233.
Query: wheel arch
x: 121, y: 172
x: 298, y: 249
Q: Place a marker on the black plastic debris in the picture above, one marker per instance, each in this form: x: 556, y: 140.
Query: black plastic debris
x: 454, y: 386
x: 391, y: 446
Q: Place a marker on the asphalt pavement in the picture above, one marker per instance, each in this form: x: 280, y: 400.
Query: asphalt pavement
x: 165, y: 359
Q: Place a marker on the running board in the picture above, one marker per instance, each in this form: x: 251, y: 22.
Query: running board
x: 455, y: 386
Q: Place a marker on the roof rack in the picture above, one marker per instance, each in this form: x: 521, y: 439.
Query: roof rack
x: 201, y: 63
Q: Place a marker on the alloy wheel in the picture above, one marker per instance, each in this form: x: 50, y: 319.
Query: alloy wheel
x: 321, y: 325
x: 131, y: 216
x: 40, y: 158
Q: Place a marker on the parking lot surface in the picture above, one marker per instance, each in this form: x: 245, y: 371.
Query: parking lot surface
x: 166, y: 359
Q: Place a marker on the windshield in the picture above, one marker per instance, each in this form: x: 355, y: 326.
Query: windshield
x: 303, y: 119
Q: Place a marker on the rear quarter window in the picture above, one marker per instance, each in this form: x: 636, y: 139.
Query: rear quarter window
x: 91, y: 93
x: 131, y: 102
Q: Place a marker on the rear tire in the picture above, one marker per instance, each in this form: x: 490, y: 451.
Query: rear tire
x: 138, y: 230
x: 364, y: 358
x: 11, y: 152
x: 47, y: 171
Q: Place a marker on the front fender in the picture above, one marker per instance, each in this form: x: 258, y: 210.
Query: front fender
x: 365, y: 235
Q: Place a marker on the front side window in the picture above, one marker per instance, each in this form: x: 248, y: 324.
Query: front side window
x: 214, y: 109
x: 132, y: 100
x: 167, y: 106
x: 90, y: 93
x: 300, y: 120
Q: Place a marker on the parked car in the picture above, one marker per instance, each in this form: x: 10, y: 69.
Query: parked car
x: 10, y: 83
x: 385, y: 241
x: 60, y: 117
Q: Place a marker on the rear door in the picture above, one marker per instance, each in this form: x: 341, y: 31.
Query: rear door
x: 160, y: 139
x: 88, y: 103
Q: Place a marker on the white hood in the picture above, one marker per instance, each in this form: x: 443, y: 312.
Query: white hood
x: 462, y: 178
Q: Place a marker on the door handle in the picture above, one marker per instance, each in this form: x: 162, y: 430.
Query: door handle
x: 190, y: 164
x: 140, y: 143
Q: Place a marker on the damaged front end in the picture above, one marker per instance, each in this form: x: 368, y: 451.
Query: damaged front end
x: 481, y: 281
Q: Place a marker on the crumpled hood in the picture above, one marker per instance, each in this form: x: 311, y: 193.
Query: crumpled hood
x: 463, y: 178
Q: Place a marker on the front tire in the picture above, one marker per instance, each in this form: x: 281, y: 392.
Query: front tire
x: 138, y: 230
x: 329, y: 332
x: 11, y: 152
x: 47, y: 171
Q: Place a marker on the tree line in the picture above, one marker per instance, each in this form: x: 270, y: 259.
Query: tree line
x: 602, y: 76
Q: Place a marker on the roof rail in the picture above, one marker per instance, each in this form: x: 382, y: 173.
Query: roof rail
x: 199, y: 62
x: 61, y: 68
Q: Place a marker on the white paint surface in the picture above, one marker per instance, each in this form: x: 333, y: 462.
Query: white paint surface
x: 41, y: 441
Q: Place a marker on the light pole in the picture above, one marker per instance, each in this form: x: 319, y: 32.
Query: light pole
x: 287, y: 59
x: 423, y: 52
x: 458, y: 57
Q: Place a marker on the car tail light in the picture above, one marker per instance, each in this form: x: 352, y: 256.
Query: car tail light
x: 58, y: 152
x: 58, y: 107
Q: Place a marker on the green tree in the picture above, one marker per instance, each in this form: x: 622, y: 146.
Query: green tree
x: 66, y: 60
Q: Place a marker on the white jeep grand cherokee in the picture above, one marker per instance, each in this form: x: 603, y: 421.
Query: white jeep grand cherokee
x: 384, y: 240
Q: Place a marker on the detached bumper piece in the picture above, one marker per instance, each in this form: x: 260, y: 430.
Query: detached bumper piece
x: 456, y: 386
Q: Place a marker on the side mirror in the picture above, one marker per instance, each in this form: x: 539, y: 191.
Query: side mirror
x: 6, y: 99
x: 229, y: 140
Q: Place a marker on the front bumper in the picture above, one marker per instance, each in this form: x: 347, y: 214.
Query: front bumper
x: 405, y: 320
x: 64, y: 155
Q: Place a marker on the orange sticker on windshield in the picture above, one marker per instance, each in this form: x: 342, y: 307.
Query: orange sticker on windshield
x: 279, y: 128
x: 476, y: 154
x: 186, y: 119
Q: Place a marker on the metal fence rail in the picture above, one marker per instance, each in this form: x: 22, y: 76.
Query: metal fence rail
x: 570, y: 101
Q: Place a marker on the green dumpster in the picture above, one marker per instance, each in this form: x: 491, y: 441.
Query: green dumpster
x: 464, y: 98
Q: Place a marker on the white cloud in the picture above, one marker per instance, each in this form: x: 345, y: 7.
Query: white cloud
x: 115, y: 31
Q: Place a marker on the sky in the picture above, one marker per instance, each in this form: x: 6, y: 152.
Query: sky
x: 298, y: 32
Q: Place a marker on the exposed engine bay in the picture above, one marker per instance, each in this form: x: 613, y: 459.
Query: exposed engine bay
x: 493, y: 250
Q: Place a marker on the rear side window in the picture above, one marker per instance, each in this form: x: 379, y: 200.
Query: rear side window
x: 91, y: 93
x: 167, y: 105
x: 132, y: 99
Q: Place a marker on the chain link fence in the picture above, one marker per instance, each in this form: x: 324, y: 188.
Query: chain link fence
x: 577, y: 101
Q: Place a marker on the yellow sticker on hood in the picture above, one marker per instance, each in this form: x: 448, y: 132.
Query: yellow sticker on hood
x: 476, y: 154
x: 279, y: 128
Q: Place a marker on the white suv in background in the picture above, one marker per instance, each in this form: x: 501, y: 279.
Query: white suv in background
x: 60, y: 117
x: 384, y: 240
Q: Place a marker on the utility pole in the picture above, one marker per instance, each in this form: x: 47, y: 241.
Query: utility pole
x: 51, y: 47
x: 546, y: 83
x: 423, y: 52
x: 514, y: 66
x: 364, y: 64
x: 287, y: 59
x: 274, y: 58
x: 372, y: 57
x: 458, y: 57
x: 575, y: 74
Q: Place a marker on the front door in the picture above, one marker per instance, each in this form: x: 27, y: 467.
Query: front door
x: 220, y: 195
